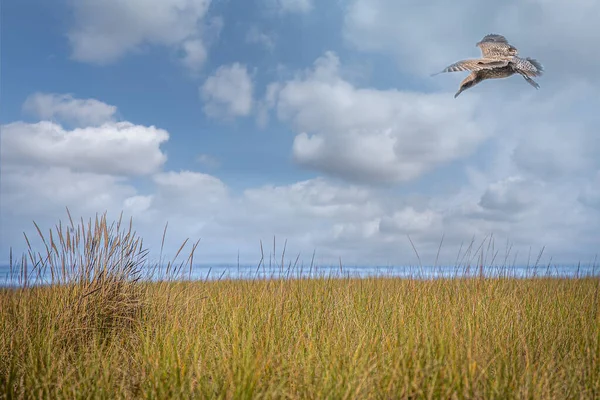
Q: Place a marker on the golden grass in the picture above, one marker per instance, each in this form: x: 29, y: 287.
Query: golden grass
x: 112, y: 336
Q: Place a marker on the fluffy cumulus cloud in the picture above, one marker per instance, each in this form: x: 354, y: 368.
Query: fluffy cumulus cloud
x: 105, y: 31
x: 509, y: 196
x: 194, y: 53
x: 43, y: 193
x: 228, y: 92
x: 369, y: 135
x: 189, y: 190
x: 64, y: 107
x: 119, y: 148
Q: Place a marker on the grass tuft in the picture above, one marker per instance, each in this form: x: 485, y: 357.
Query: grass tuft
x: 86, y: 279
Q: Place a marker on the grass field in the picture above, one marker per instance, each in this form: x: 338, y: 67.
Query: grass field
x: 102, y: 334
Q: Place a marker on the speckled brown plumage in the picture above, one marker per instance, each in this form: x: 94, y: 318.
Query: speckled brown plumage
x: 499, y: 60
x: 496, y: 46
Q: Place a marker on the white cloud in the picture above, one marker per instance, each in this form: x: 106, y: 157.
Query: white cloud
x: 511, y: 195
x: 79, y: 112
x: 112, y: 148
x: 105, y: 31
x: 194, y: 53
x: 99, y: 145
x: 369, y: 135
x: 264, y: 105
x: 409, y: 220
x: 228, y: 92
x: 311, y: 198
x: 42, y: 191
x: 189, y: 189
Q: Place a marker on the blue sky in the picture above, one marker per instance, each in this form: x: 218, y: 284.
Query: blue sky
x: 317, y: 122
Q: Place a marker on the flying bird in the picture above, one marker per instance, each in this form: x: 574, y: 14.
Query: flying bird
x: 499, y: 60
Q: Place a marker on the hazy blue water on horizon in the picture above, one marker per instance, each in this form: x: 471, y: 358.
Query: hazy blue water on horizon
x: 232, y: 271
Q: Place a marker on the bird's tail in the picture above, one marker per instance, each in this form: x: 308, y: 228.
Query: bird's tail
x: 538, y: 66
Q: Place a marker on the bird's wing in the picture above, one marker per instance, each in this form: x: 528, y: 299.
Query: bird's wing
x: 474, y: 65
x: 494, y: 37
x: 494, y: 45
x: 528, y: 66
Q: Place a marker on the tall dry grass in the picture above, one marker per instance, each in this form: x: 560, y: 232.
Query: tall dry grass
x: 109, y: 334
x: 85, y: 278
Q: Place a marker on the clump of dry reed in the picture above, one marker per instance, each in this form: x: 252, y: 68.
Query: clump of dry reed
x: 88, y: 275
